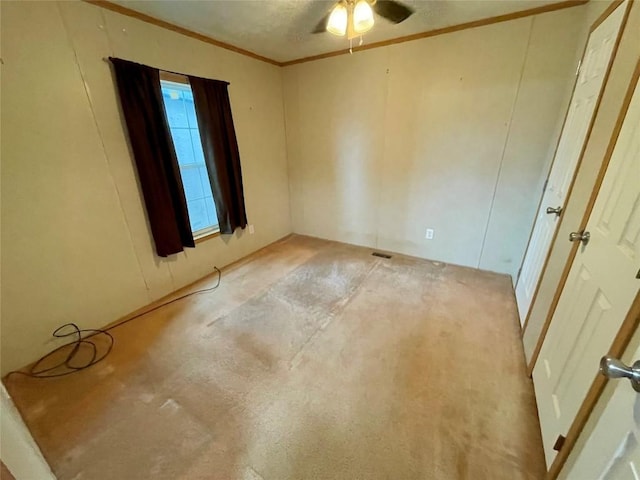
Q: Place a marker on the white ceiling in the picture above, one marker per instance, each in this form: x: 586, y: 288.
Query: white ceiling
x: 280, y: 29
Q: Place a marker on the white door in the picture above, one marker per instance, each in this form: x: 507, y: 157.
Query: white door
x: 581, y: 110
x: 612, y: 449
x: 599, y: 290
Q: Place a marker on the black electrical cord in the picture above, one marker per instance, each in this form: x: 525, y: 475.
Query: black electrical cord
x: 85, y: 338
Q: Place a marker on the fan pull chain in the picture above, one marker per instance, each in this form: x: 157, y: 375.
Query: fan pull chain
x: 351, y: 45
x: 361, y: 41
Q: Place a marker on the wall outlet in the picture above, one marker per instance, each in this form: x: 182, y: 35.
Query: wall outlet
x: 251, y: 230
x: 429, y: 234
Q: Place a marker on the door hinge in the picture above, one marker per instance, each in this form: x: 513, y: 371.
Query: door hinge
x: 544, y: 187
x: 578, y: 69
x: 638, y: 274
x: 559, y: 443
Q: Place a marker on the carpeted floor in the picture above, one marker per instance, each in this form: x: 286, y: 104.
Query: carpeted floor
x: 312, y: 360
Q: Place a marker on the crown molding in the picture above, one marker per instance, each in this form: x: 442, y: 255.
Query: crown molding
x: 408, y: 38
x: 441, y: 31
x: 114, y: 7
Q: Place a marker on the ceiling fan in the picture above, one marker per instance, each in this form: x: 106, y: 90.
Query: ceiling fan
x: 355, y: 17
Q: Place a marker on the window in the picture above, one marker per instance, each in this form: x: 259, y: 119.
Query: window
x: 181, y: 113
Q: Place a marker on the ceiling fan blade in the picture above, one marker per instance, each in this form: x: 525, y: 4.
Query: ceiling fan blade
x: 322, y: 24
x: 392, y: 10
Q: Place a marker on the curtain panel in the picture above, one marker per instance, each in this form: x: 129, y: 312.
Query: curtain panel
x: 154, y: 153
x: 220, y: 146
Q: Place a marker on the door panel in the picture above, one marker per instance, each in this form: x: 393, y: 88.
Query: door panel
x: 579, y: 118
x: 570, y: 147
x: 599, y: 290
x: 531, y: 268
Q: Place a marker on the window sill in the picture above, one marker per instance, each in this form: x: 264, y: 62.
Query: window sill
x: 206, y: 236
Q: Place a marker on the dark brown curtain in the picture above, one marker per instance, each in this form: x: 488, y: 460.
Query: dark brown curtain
x: 155, y: 157
x: 213, y: 109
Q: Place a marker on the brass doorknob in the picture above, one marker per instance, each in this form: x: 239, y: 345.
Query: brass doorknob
x: 613, y: 368
x: 557, y: 210
x: 582, y: 236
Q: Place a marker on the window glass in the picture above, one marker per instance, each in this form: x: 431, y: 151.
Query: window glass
x: 181, y: 113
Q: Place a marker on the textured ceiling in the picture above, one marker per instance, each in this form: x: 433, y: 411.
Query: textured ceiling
x: 280, y: 29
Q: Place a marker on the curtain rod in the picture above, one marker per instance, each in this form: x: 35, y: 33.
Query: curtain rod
x: 108, y: 60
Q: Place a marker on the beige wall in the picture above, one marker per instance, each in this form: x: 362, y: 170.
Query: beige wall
x: 615, y: 89
x: 75, y: 242
x: 454, y: 132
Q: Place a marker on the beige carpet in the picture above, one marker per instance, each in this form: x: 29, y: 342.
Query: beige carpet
x: 313, y: 360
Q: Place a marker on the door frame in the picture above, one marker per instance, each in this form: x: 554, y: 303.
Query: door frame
x: 610, y: 9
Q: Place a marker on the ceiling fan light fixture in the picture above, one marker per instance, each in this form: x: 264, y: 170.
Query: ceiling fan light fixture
x: 362, y: 17
x: 337, y: 23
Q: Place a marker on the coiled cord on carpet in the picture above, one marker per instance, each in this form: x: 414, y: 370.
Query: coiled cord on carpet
x: 85, y: 338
